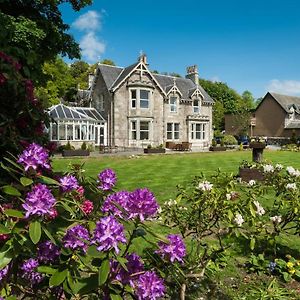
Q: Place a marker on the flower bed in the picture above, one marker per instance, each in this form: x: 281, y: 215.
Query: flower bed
x: 247, y: 174
x: 154, y: 150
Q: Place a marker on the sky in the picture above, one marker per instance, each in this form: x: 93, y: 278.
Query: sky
x: 250, y: 45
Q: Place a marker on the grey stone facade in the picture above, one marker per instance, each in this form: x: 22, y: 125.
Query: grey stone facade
x: 143, y: 108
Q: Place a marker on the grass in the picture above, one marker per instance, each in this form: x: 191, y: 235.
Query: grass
x: 161, y: 173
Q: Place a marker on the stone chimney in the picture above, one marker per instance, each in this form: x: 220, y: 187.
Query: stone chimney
x: 143, y: 58
x: 192, y: 73
x: 91, y: 79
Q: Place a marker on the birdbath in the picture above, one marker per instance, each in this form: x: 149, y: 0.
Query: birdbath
x: 257, y: 151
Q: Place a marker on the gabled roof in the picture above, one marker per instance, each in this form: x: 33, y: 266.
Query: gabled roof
x: 286, y: 102
x: 114, y: 76
x: 64, y: 112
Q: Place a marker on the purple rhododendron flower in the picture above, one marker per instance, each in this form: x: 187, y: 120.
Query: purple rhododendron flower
x: 28, y: 271
x: 34, y: 156
x: 75, y: 236
x: 174, y: 250
x: 141, y: 204
x: 3, y: 272
x: 120, y: 198
x: 48, y: 252
x: 68, y: 183
x: 108, y: 233
x: 39, y: 201
x: 107, y: 179
x: 134, y: 267
x: 149, y: 286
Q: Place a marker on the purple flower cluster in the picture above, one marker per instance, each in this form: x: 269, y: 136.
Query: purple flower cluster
x: 76, y: 237
x: 108, y: 233
x: 134, y: 266
x: 48, y: 252
x: 68, y: 183
x: 107, y: 179
x: 119, y: 198
x: 28, y: 271
x: 149, y: 286
x: 174, y: 250
x: 39, y: 201
x: 34, y: 156
x: 3, y: 273
x: 141, y: 204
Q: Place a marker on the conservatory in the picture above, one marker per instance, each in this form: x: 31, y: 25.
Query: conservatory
x: 77, y: 125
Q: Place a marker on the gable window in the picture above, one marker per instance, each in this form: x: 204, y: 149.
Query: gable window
x: 173, y: 131
x: 133, y: 98
x: 196, y: 106
x: 173, y: 104
x: 198, y: 131
x: 144, y: 99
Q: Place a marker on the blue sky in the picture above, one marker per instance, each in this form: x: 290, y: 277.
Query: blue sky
x: 250, y: 45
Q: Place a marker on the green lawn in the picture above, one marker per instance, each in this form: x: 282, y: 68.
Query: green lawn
x: 161, y: 173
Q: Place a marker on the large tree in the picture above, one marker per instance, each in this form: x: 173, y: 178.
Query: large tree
x: 33, y: 31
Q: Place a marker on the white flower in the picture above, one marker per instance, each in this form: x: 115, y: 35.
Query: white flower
x: 228, y: 196
x: 239, y: 220
x: 268, y: 168
x: 279, y: 167
x: 293, y: 172
x: 291, y: 186
x: 276, y: 219
x: 259, y: 209
x: 251, y: 182
x: 171, y: 203
x: 205, y: 186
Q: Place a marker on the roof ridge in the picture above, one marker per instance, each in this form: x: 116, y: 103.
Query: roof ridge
x: 99, y: 64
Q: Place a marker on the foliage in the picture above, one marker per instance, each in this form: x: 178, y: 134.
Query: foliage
x: 229, y: 140
x: 107, y: 61
x: 22, y: 117
x: 84, y: 146
x: 35, y: 33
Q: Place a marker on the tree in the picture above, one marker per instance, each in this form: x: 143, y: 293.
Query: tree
x: 248, y: 100
x: 107, y: 62
x: 35, y: 33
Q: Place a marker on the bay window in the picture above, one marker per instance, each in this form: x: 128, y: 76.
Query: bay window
x: 198, y: 131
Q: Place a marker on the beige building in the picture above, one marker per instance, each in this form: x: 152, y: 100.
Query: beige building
x: 142, y: 108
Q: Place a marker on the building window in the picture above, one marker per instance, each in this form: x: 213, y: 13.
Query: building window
x: 133, y: 130
x: 198, y: 131
x: 133, y: 98
x: 144, y: 99
x: 196, y: 106
x: 62, y: 132
x: 173, y: 104
x: 173, y: 131
x: 144, y: 130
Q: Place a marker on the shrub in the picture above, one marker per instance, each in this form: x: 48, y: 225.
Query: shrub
x: 229, y: 140
x: 83, y: 146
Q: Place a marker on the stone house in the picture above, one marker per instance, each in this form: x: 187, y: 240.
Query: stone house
x: 143, y: 108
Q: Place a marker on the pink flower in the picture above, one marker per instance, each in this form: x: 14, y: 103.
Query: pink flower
x: 87, y: 207
x: 52, y: 214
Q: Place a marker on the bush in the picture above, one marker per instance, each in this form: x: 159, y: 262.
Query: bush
x: 229, y: 140
x: 83, y: 146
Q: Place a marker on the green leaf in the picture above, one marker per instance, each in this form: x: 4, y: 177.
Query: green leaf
x: 104, y: 272
x: 10, y: 190
x: 46, y: 270
x: 48, y: 180
x: 252, y: 243
x: 252, y: 211
x: 93, y: 252
x: 287, y: 277
x: 115, y: 297
x: 14, y: 213
x: 4, y: 229
x: 58, y: 277
x: 35, y: 231
x: 122, y: 262
x: 26, y: 181
x: 6, y: 255
x: 49, y: 235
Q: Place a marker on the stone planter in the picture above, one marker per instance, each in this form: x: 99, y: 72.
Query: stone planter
x: 257, y: 145
x: 154, y: 150
x: 79, y: 152
x: 257, y: 151
x: 221, y: 148
x: 248, y: 174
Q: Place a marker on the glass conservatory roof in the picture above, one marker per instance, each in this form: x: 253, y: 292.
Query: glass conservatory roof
x: 63, y: 112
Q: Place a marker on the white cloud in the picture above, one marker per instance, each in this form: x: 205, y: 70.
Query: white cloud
x: 91, y: 20
x: 289, y: 87
x: 215, y: 79
x: 91, y: 47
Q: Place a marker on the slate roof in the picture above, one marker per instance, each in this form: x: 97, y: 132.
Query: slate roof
x: 113, y: 76
x: 64, y: 112
x: 286, y: 102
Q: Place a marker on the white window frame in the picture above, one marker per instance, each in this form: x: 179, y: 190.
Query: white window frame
x: 135, y: 130
x: 198, y: 131
x: 173, y: 106
x: 133, y: 100
x: 196, y: 108
x: 147, y: 100
x: 136, y: 102
x: 173, y: 133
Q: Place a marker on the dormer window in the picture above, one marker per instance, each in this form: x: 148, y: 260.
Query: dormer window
x: 196, y: 106
x: 173, y: 104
